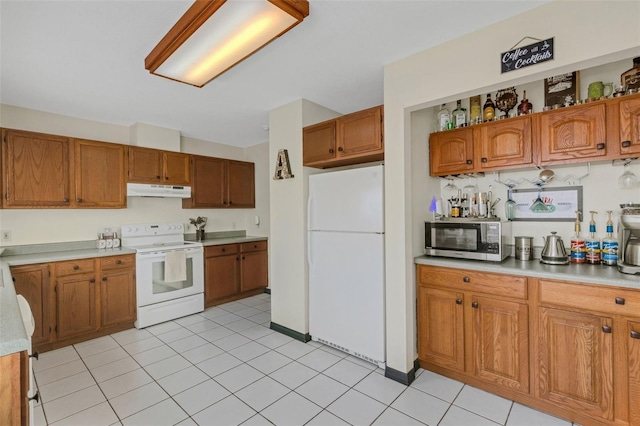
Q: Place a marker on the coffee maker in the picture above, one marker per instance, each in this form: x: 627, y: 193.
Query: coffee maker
x: 629, y: 237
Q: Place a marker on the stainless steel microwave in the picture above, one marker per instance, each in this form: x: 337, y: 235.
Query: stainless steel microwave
x: 478, y: 239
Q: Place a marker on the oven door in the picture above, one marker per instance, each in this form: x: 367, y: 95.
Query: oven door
x: 151, y: 286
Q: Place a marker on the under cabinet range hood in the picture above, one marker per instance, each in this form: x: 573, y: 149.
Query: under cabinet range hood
x: 158, y: 191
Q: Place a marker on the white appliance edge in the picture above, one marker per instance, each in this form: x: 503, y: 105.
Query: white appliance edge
x: 346, y: 261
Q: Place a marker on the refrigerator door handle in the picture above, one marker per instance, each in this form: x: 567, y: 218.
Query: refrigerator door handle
x: 309, y: 234
x: 309, y: 203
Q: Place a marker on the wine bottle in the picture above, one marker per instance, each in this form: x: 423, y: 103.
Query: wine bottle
x: 489, y: 109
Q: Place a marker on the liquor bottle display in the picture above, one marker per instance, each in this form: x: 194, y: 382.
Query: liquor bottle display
x: 443, y: 118
x: 631, y: 78
x: 459, y: 115
x: 475, y: 110
x: 489, y: 109
x: 525, y: 106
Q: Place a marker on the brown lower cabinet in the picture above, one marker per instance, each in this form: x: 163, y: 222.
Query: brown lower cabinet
x: 234, y: 271
x: 570, y: 349
x: 78, y: 300
x: 14, y: 388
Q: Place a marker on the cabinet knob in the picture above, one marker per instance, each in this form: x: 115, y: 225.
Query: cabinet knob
x: 157, y: 177
x: 35, y: 397
x: 224, y: 249
x: 35, y: 355
x: 242, y: 257
x: 474, y: 305
x: 166, y: 178
x: 66, y: 200
x: 619, y: 301
x: 458, y: 301
x: 230, y: 202
x: 466, y: 279
x: 78, y: 200
x: 626, y: 144
x: 606, y: 329
x: 92, y: 280
x: 255, y: 246
x: 600, y: 146
x: 118, y: 262
x: 635, y: 334
x: 331, y: 151
x: 76, y: 267
x: 340, y: 149
x: 483, y: 159
x: 104, y: 278
x: 469, y: 162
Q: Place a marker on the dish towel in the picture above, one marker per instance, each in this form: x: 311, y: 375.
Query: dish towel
x: 175, y: 266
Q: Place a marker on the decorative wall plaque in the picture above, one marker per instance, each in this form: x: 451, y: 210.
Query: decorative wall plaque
x: 528, y: 55
x: 283, y: 169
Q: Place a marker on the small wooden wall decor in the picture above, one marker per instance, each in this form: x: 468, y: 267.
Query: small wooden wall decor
x: 283, y: 169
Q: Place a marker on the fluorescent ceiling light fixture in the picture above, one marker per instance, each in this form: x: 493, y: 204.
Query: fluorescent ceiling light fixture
x: 214, y: 35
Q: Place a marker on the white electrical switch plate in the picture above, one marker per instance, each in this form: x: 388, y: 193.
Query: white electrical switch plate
x: 257, y: 220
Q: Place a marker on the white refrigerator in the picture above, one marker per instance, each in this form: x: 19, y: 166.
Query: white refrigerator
x: 345, y: 252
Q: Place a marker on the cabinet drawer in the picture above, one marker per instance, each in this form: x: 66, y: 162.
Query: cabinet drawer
x: 477, y: 282
x: 222, y: 250
x: 80, y: 266
x: 253, y: 246
x: 118, y: 262
x: 610, y: 300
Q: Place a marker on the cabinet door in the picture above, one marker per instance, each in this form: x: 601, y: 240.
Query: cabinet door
x: 360, y: 133
x: 145, y: 165
x: 505, y: 143
x: 221, y: 277
x: 254, y: 270
x: 100, y: 174
x: 118, y: 297
x: 451, y: 152
x: 319, y: 143
x: 76, y: 305
x: 36, y: 170
x: 633, y: 357
x: 501, y: 342
x: 575, y: 356
x: 176, y: 168
x: 241, y: 179
x: 573, y: 134
x: 441, y: 327
x: 630, y: 126
x: 208, y: 183
x: 32, y: 282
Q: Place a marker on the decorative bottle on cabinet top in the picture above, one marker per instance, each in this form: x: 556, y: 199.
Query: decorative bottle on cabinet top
x: 443, y: 118
x: 488, y: 111
x: 459, y: 115
x: 525, y: 106
x: 631, y: 78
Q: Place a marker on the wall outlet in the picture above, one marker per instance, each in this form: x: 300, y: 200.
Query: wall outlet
x: 5, y: 236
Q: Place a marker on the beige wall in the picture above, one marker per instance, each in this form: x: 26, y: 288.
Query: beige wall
x: 32, y: 226
x: 288, y: 202
x: 457, y: 69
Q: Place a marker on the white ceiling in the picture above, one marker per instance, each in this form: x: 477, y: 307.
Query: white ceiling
x: 86, y: 59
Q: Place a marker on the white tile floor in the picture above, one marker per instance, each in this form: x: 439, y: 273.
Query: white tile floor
x: 226, y: 367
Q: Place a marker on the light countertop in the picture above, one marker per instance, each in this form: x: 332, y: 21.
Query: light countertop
x: 13, y: 337
x: 595, y: 274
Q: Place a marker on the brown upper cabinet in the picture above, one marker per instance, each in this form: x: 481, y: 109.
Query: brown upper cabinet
x: 147, y: 165
x: 504, y: 144
x: 602, y: 130
x: 573, y: 133
x: 350, y: 139
x: 490, y: 146
x: 47, y: 171
x: 100, y: 170
x: 221, y: 183
x: 451, y: 152
x: 630, y: 127
x: 36, y: 170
